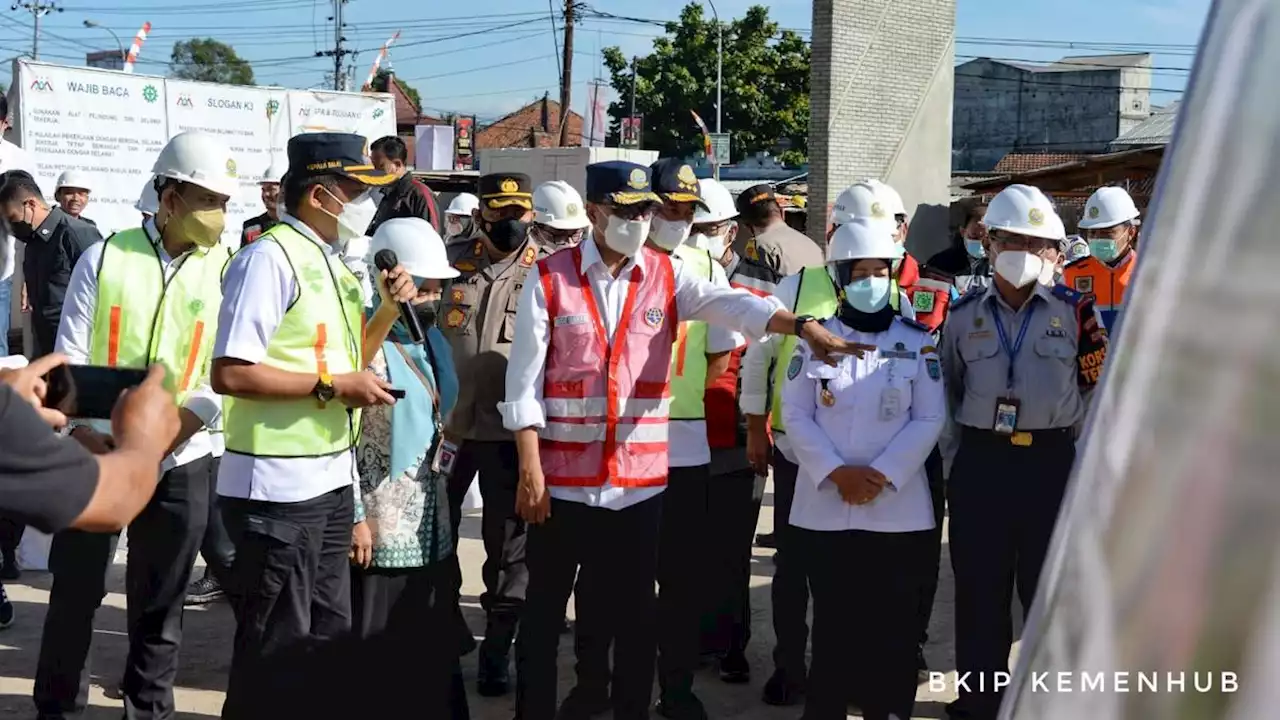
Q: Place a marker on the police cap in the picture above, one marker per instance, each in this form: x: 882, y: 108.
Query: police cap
x: 674, y: 181
x: 332, y: 153
x: 619, y: 183
x: 499, y: 190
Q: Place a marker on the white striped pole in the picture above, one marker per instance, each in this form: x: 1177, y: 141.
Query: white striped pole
x: 377, y: 62
x: 136, y: 47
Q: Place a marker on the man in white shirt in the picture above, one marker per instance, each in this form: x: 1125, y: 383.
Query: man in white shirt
x: 144, y: 296
x: 288, y: 362
x: 590, y: 487
x: 12, y: 157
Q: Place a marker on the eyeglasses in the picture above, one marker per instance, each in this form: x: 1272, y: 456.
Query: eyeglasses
x: 714, y: 229
x: 1008, y: 241
x: 636, y: 211
x: 558, y: 237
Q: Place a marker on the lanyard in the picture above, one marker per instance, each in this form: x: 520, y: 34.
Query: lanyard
x: 1012, y: 350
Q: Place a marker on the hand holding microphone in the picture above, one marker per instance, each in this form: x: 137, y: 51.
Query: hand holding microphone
x: 397, y: 287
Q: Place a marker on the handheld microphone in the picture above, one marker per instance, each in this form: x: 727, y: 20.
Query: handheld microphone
x: 386, y: 260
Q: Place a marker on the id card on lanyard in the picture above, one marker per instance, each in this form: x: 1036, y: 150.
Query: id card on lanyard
x: 1005, y: 421
x: 445, y: 452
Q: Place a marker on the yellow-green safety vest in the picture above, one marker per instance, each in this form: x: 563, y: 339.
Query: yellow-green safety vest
x: 320, y: 333
x: 689, y: 356
x: 815, y: 296
x: 140, y: 318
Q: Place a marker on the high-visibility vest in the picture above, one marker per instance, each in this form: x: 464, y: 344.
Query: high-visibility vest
x: 689, y: 358
x: 320, y: 333
x: 141, y: 319
x: 607, y: 404
x: 1106, y: 284
x: 816, y: 296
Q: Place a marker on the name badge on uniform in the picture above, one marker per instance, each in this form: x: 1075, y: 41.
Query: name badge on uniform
x: 899, y: 352
x: 890, y: 403
x: 570, y: 320
x: 1006, y: 419
x: 445, y: 457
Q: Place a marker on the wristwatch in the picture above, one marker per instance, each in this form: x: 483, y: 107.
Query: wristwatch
x: 800, y: 323
x: 323, y: 390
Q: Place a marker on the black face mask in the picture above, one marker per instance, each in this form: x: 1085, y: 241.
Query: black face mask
x: 427, y: 312
x: 506, y: 235
x: 22, y: 229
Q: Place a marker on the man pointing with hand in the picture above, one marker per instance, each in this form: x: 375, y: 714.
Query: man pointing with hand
x: 588, y: 399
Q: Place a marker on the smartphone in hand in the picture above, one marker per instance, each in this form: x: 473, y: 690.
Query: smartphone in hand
x: 89, y: 391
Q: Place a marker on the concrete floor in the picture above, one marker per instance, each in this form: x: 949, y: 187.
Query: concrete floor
x: 207, y: 648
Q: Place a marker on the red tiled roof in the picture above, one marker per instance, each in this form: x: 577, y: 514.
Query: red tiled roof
x: 1016, y: 162
x: 534, y: 125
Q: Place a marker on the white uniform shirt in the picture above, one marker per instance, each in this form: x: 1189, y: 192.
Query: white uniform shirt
x: 889, y: 409
x: 12, y: 157
x: 257, y: 289
x: 758, y: 363
x: 696, y: 299
x: 75, y: 340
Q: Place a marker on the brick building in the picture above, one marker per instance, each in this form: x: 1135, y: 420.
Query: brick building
x: 534, y: 125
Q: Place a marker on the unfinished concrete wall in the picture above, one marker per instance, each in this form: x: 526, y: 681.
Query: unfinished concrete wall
x: 880, y: 104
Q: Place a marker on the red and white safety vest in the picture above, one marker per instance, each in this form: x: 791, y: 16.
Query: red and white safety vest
x: 607, y: 404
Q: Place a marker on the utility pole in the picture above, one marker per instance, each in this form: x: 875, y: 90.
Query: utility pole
x: 566, y: 80
x: 633, y: 86
x: 338, y: 53
x: 38, y: 10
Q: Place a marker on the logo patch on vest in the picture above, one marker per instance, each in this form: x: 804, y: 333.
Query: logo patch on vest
x: 196, y: 306
x: 1084, y: 284
x: 570, y: 320
x: 793, y: 368
x: 454, y: 318
x: 922, y: 301
x: 653, y: 317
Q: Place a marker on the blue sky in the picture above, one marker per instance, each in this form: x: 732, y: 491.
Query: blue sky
x: 488, y: 57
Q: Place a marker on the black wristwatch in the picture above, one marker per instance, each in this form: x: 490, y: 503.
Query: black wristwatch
x: 800, y: 322
x: 323, y: 390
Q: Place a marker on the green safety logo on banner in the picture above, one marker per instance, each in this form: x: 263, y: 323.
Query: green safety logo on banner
x: 273, y: 106
x: 150, y: 94
x: 377, y: 113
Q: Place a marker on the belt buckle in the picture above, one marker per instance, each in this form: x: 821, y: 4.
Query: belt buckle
x: 1021, y: 439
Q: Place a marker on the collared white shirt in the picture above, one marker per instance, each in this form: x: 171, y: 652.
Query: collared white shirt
x: 884, y: 410
x: 75, y: 340
x: 696, y: 299
x: 12, y: 157
x: 257, y: 290
x: 759, y: 361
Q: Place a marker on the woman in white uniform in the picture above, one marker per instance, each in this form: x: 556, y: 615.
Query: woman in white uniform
x: 862, y: 512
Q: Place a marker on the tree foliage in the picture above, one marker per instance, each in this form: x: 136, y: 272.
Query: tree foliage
x: 380, y: 84
x: 765, y: 86
x: 208, y: 60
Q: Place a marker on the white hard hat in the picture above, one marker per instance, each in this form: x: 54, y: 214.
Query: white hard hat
x: 863, y: 239
x: 463, y: 204
x: 1024, y: 210
x: 417, y: 246
x: 72, y: 179
x: 557, y: 205
x: 149, y: 201
x: 858, y: 201
x: 890, y: 197
x: 1108, y: 207
x: 719, y: 203
x: 275, y: 172
x: 200, y: 159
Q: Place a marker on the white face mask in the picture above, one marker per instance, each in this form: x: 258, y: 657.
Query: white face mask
x: 626, y: 237
x: 453, y: 227
x: 1021, y: 268
x: 714, y: 244
x: 355, y: 217
x: 668, y: 234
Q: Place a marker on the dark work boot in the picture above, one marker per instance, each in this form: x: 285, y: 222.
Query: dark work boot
x: 493, y: 676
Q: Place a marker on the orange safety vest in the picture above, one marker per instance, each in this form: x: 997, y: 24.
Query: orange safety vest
x: 1106, y: 284
x: 930, y: 296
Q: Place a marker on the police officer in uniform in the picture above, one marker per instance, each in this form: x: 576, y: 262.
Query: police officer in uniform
x: 477, y: 315
x: 1021, y: 360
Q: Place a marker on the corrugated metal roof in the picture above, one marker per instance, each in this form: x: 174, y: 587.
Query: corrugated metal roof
x: 1155, y: 130
x: 1075, y: 63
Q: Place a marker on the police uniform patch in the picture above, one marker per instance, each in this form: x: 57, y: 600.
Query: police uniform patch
x: 530, y: 254
x: 1084, y: 284
x: 454, y: 318
x: 934, y: 368
x: 464, y: 266
x: 509, y: 185
x: 457, y: 295
x: 686, y: 176
x: 653, y: 317
x: 1055, y: 321
x: 478, y: 249
x: 793, y: 368
x: 928, y: 350
x: 922, y: 301
x: 752, y: 253
x: 638, y: 179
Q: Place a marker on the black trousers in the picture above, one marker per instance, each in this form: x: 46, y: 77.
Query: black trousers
x: 291, y: 594
x: 618, y: 553
x: 1004, y: 501
x: 163, y: 542
x: 216, y: 548
x: 506, y: 576
x: 10, y: 535
x: 929, y: 578
x: 732, y: 516
x: 404, y: 620
x: 682, y: 576
x: 865, y: 589
x: 790, y: 589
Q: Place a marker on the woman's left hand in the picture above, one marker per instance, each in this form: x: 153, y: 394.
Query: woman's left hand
x: 361, y: 544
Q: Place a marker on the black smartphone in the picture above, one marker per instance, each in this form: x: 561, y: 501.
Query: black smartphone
x: 396, y: 393
x: 89, y: 391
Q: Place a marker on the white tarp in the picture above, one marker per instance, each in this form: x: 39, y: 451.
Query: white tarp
x: 112, y: 126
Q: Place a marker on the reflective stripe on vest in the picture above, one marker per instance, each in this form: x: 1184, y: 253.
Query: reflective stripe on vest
x: 816, y: 296
x: 689, y: 359
x: 141, y: 318
x: 319, y: 333
x: 607, y: 402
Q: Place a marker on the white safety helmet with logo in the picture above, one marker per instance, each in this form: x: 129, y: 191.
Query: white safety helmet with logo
x: 860, y: 200
x: 862, y: 238
x: 275, y: 172
x: 200, y: 159
x: 1108, y: 207
x: 149, y: 202
x: 417, y: 246
x: 1025, y: 210
x: 73, y: 179
x: 557, y: 205
x: 463, y: 204
x: 718, y: 207
x: 890, y: 197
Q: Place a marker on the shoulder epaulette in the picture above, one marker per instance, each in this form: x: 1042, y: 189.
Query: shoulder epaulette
x: 1067, y: 295
x: 912, y: 323
x: 973, y: 294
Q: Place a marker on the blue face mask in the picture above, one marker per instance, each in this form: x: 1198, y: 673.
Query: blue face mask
x: 1104, y: 250
x: 974, y: 248
x: 868, y: 295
